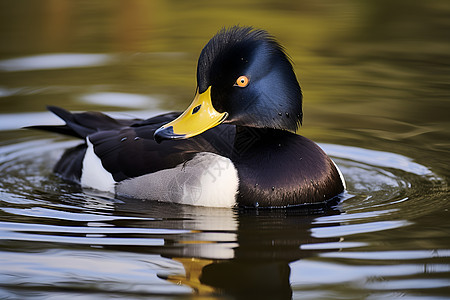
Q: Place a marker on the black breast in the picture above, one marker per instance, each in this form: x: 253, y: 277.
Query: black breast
x: 278, y: 168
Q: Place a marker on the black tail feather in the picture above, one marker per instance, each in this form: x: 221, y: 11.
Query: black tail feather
x: 61, y: 129
x: 65, y: 115
x: 70, y: 165
x: 80, y: 125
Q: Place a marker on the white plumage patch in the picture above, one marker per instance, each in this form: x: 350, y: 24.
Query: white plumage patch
x: 340, y: 175
x: 206, y: 180
x: 93, y: 174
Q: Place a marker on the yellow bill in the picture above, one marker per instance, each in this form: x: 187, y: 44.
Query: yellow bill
x: 197, y: 118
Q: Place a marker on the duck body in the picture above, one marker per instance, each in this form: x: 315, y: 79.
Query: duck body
x: 279, y: 168
x: 234, y: 145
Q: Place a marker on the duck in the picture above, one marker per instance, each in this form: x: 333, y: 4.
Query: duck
x: 236, y: 145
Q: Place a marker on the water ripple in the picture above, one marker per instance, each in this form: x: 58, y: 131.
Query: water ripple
x: 43, y: 216
x: 54, y: 61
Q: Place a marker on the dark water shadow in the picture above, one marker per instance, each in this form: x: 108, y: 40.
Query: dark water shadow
x: 239, y: 253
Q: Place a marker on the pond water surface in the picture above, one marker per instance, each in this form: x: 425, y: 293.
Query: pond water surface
x: 376, y: 81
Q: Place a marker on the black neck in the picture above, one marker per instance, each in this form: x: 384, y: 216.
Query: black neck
x: 249, y: 137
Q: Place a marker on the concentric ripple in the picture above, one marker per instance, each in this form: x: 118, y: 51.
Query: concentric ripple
x: 48, y: 226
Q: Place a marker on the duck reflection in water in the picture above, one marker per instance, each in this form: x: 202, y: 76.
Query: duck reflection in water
x: 239, y: 253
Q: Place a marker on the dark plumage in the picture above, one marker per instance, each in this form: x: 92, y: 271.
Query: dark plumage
x: 247, y: 107
x: 273, y: 99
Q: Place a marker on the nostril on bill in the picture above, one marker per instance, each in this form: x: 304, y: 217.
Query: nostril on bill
x: 196, y: 109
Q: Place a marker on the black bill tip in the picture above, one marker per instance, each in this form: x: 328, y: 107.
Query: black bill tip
x: 166, y: 133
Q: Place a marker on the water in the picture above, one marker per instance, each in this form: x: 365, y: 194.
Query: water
x: 376, y: 83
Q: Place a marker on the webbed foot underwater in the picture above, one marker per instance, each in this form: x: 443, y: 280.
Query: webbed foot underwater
x: 235, y: 145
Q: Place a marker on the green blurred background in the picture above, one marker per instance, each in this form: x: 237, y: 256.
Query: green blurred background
x: 374, y: 73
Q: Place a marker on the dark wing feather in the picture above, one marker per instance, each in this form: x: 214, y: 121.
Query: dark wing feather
x: 126, y: 146
x: 131, y: 151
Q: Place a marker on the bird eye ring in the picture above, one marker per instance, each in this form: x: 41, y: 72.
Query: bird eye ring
x: 242, y: 81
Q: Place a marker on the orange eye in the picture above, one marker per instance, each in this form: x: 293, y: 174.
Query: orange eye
x: 242, y: 81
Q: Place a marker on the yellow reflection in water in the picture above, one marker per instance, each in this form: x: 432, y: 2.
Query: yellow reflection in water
x: 193, y: 268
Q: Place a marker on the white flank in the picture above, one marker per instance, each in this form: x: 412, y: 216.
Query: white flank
x: 206, y: 180
x: 93, y: 174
